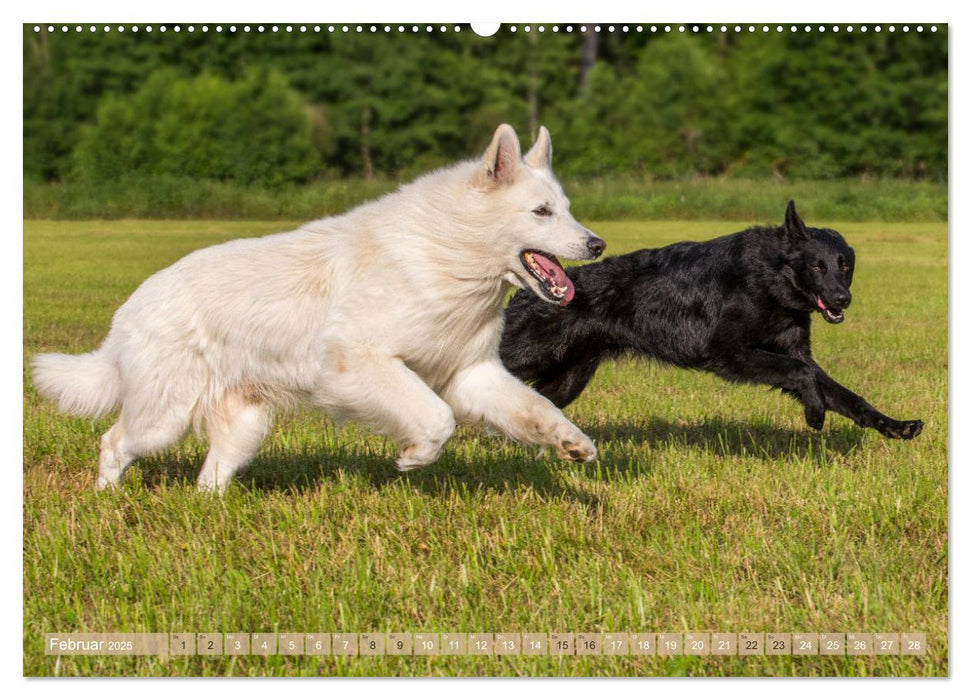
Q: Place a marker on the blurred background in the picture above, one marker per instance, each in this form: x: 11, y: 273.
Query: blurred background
x: 652, y: 125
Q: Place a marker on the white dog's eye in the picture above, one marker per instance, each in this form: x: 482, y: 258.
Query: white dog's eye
x: 542, y: 210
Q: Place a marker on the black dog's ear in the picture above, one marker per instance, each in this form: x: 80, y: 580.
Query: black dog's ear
x: 794, y: 227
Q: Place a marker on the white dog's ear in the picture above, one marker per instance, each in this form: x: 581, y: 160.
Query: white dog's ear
x: 540, y: 156
x: 502, y: 158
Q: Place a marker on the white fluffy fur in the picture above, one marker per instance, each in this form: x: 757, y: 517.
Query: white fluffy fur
x: 389, y: 314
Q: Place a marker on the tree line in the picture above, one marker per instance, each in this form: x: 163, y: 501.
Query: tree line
x: 274, y: 107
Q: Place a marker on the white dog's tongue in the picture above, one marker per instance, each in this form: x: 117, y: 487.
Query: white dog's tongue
x: 557, y: 275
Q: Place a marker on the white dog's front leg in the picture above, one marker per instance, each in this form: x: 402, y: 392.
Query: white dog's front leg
x: 384, y: 393
x: 487, y: 393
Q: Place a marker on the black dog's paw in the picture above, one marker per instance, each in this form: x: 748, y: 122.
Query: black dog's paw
x: 815, y: 417
x: 909, y: 429
x: 900, y: 430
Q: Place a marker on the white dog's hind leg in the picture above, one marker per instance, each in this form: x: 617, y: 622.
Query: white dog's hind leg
x: 113, y: 460
x: 383, y: 392
x: 161, y: 389
x: 487, y: 393
x: 236, y: 428
x: 136, y: 435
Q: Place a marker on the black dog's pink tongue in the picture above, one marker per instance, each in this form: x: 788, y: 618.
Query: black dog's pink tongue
x: 553, y: 272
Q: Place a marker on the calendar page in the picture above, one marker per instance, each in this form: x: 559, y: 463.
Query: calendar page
x: 553, y: 349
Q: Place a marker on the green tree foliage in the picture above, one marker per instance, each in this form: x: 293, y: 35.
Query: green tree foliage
x: 665, y: 115
x: 264, y: 107
x: 253, y: 130
x: 849, y: 104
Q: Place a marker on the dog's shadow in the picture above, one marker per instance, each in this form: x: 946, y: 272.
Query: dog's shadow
x: 505, y: 469
x: 625, y: 448
x: 727, y: 437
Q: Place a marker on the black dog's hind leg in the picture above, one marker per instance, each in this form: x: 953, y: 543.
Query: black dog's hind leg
x: 843, y: 401
x: 563, y: 385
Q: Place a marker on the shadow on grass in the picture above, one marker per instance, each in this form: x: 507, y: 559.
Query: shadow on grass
x: 736, y: 438
x: 503, y: 468
x: 278, y: 470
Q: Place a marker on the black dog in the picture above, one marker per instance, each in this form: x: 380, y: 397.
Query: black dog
x: 737, y: 306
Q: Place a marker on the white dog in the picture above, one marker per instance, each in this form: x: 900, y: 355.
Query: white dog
x: 389, y: 314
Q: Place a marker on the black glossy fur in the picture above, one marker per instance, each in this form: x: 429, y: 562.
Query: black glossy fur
x: 738, y: 306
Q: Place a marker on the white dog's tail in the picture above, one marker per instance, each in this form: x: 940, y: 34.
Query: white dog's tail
x: 87, y: 385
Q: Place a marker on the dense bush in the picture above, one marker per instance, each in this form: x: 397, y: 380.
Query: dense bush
x: 792, y: 105
x: 252, y: 130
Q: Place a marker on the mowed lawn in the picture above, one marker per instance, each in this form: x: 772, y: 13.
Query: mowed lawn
x: 712, y: 507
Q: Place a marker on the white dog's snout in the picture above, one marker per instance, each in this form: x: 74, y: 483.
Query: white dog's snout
x: 596, y: 245
x: 580, y: 243
x: 589, y: 246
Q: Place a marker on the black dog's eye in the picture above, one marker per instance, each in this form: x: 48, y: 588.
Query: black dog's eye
x: 818, y: 268
x: 542, y: 210
x: 845, y: 268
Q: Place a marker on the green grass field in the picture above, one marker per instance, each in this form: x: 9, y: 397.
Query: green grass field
x: 711, y: 508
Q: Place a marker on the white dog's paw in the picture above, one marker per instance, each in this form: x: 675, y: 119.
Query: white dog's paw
x: 578, y: 449
x: 405, y: 465
x: 212, y: 487
x: 416, y: 456
x: 103, y: 483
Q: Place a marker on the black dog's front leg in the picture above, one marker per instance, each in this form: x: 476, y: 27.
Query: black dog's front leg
x: 792, y: 375
x: 843, y: 401
x: 565, y: 384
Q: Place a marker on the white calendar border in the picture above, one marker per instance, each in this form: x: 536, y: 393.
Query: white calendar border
x: 509, y: 10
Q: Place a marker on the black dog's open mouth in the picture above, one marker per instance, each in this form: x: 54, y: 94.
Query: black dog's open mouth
x: 552, y: 278
x: 831, y: 315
